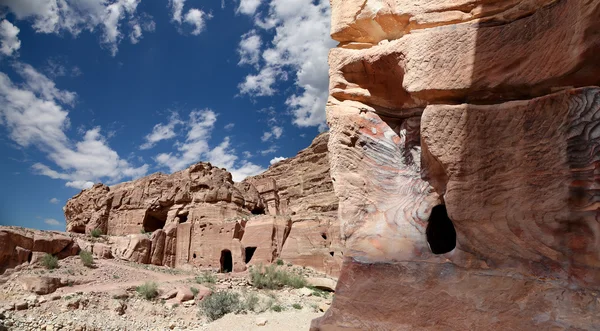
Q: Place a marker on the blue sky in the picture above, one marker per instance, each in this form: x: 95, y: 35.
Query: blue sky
x: 111, y: 90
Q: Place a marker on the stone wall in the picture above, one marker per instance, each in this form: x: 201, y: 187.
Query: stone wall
x: 463, y: 150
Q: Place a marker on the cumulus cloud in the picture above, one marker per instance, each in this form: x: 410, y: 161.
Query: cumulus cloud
x: 34, y: 114
x: 198, y: 19
x: 248, y: 7
x: 176, y: 10
x: 75, y: 16
x: 299, y: 48
x: 9, y: 42
x: 54, y: 201
x: 52, y: 221
x: 195, y: 17
x: 275, y: 133
x: 229, y: 126
x: 249, y: 48
x: 196, y: 148
x: 277, y: 159
x: 162, y: 132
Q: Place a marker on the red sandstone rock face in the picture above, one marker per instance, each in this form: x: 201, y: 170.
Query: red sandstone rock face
x: 200, y: 217
x: 18, y: 245
x: 459, y: 207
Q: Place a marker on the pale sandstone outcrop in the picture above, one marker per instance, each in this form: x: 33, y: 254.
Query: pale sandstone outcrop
x: 459, y: 207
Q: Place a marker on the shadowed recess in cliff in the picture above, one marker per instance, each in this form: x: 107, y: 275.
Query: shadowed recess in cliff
x: 441, y: 235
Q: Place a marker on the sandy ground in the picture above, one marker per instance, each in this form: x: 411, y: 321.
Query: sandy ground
x: 89, y: 302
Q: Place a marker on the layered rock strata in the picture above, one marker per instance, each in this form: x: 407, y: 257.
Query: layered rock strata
x: 464, y: 145
x: 199, y: 216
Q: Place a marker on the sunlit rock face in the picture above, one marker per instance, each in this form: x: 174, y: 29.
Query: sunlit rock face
x: 464, y: 151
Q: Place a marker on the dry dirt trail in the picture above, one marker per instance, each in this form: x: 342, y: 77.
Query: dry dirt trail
x: 143, y: 275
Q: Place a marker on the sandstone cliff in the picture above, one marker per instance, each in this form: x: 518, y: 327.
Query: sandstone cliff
x: 464, y: 149
x: 199, y: 216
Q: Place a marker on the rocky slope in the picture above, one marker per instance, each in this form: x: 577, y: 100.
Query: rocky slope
x: 199, y: 216
x: 463, y: 149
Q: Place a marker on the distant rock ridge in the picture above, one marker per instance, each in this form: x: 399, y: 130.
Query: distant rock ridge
x: 199, y: 216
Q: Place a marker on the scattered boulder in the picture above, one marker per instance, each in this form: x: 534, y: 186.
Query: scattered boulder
x: 203, y: 292
x: 21, y: 305
x: 169, y: 295
x: 40, y: 285
x: 184, y: 294
x: 261, y: 321
x: 325, y: 284
x: 102, y: 250
x: 118, y: 306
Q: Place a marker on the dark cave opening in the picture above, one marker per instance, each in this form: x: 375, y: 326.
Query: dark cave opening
x: 258, y: 211
x: 249, y: 253
x: 324, y: 235
x: 154, y: 221
x: 226, y: 261
x: 183, y: 218
x: 440, y: 232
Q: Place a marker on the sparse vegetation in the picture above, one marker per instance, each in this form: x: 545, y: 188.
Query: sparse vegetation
x: 270, y: 277
x: 206, y: 278
x: 221, y: 303
x: 277, y: 308
x: 116, y: 277
x: 194, y: 291
x: 279, y: 262
x: 86, y: 258
x: 297, y: 306
x: 318, y: 292
x: 251, y: 302
x: 96, y: 233
x: 148, y: 290
x: 49, y: 261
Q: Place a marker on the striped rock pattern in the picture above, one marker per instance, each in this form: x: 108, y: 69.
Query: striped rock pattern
x: 464, y: 143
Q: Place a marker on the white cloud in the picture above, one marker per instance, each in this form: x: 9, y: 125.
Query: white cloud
x: 177, y: 9
x: 249, y: 48
x: 74, y: 16
x: 268, y: 151
x: 9, y: 42
x: 52, y: 221
x: 80, y: 184
x: 300, y: 46
x: 276, y: 132
x: 277, y: 159
x: 247, y: 154
x: 229, y: 126
x: 162, y: 132
x: 195, y: 17
x: 248, y: 7
x: 198, y: 19
x: 54, y: 201
x: 33, y: 114
x: 195, y: 148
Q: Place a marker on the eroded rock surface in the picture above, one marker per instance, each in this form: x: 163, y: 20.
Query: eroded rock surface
x: 463, y: 149
x: 200, y: 217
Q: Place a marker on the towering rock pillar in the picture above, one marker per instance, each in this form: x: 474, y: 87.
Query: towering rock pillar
x: 465, y: 152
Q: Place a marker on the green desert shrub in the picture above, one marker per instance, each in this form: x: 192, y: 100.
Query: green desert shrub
x: 194, y: 291
x: 279, y: 262
x: 297, y: 306
x: 221, y: 303
x: 148, y: 290
x: 251, y: 302
x: 96, y: 233
x: 49, y: 261
x: 270, y: 277
x: 277, y: 308
x: 206, y: 278
x: 86, y: 258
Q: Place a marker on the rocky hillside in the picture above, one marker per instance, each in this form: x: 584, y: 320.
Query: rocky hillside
x: 199, y: 216
x: 464, y: 151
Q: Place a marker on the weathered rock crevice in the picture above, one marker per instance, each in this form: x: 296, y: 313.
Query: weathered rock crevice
x: 461, y: 151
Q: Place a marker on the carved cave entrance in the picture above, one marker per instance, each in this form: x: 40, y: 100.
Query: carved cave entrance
x: 249, y: 253
x: 258, y: 211
x: 440, y: 232
x: 226, y: 261
x: 154, y: 220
